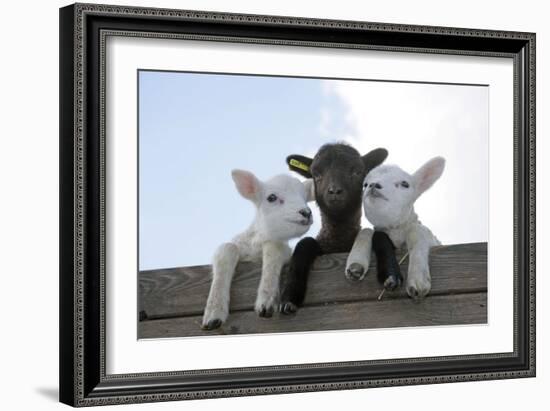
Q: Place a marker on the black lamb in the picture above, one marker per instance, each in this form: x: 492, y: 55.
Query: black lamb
x: 338, y: 171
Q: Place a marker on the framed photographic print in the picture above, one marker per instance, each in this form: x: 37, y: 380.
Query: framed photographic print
x: 262, y: 204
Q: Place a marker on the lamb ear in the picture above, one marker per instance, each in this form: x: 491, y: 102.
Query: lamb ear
x: 428, y: 174
x: 247, y: 184
x: 374, y: 158
x: 300, y: 164
x: 310, y: 190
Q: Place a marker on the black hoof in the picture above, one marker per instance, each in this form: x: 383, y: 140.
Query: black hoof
x: 266, y: 312
x: 392, y: 282
x: 212, y: 325
x: 355, y: 272
x: 288, y: 308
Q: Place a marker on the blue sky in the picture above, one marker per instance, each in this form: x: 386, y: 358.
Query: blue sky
x: 195, y: 128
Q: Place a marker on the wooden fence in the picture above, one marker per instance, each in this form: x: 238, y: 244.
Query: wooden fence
x: 171, y: 301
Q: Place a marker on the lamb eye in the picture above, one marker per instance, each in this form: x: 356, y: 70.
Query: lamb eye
x: 271, y: 198
x: 405, y: 184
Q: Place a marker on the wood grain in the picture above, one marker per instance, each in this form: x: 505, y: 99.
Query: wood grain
x: 432, y: 311
x: 175, y: 292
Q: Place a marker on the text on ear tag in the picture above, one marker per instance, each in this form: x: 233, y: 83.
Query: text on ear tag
x: 298, y: 164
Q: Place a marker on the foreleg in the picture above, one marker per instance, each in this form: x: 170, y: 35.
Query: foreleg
x: 223, y: 268
x: 295, y: 284
x: 274, y: 256
x: 358, y: 260
x: 419, y: 282
x: 387, y: 266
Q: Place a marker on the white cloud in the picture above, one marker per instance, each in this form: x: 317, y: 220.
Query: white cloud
x: 416, y: 122
x: 325, y: 122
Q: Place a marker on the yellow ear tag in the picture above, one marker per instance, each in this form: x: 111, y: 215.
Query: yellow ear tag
x: 298, y: 164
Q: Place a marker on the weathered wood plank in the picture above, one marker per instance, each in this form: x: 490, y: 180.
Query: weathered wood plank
x: 183, y: 291
x: 434, y: 310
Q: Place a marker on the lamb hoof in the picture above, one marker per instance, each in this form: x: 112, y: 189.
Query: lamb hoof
x: 212, y: 324
x: 392, y: 282
x: 266, y: 311
x: 355, y: 272
x: 288, y: 308
x: 418, y: 290
x: 413, y: 293
x: 416, y: 294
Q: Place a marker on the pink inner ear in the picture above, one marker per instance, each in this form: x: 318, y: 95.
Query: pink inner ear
x: 246, y: 183
x: 248, y: 186
x: 429, y: 173
x: 425, y: 180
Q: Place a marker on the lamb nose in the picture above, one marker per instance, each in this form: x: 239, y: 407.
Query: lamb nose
x: 376, y: 185
x: 334, y: 190
x: 305, y: 212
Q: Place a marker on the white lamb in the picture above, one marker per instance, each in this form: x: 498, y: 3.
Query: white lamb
x: 388, y: 200
x: 281, y: 214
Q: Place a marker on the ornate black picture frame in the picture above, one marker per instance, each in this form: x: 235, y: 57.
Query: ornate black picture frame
x: 83, y: 379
